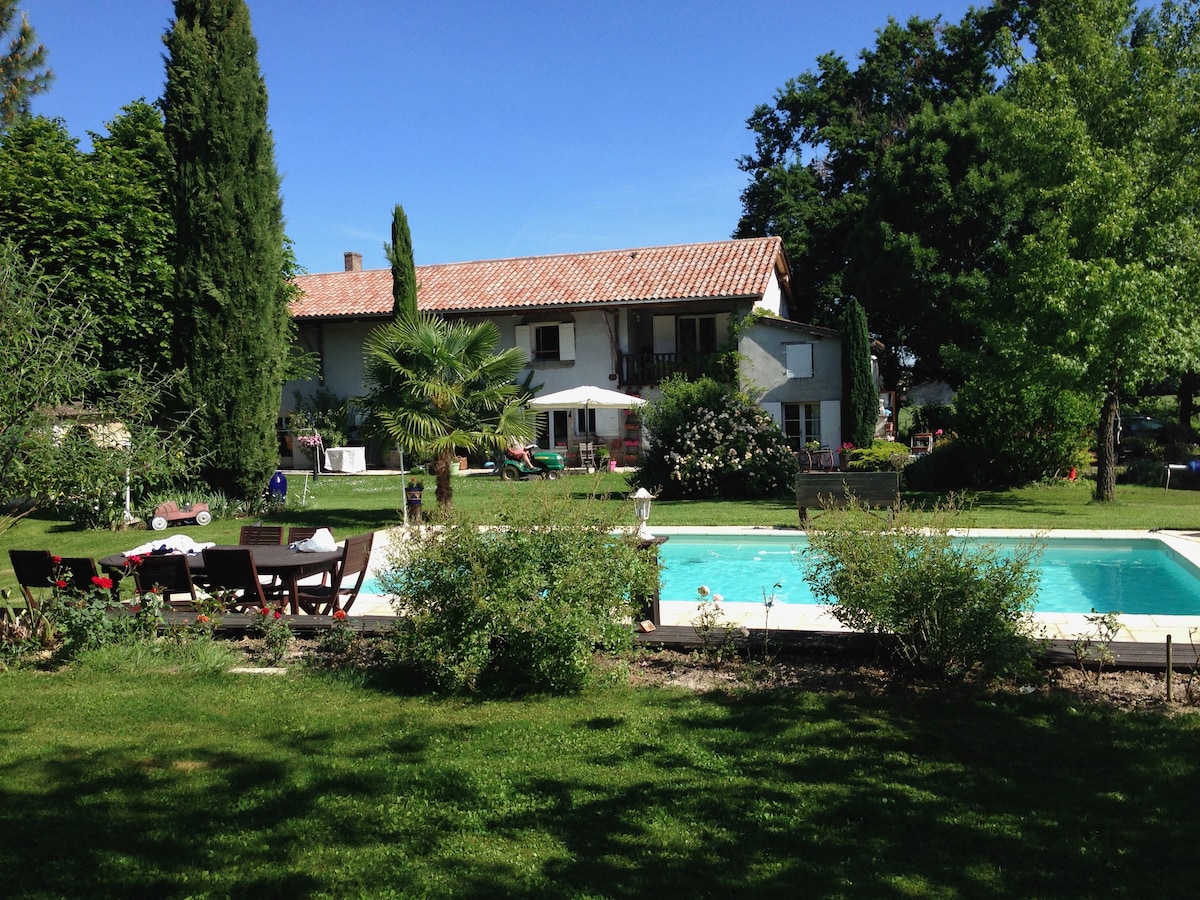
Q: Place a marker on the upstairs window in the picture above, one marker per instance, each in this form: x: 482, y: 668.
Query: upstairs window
x: 547, y: 341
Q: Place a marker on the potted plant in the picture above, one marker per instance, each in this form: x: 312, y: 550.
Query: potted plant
x: 413, y: 489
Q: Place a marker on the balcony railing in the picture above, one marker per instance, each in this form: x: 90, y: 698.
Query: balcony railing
x: 652, y: 368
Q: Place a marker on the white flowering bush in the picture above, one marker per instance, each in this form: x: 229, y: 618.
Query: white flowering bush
x: 712, y: 441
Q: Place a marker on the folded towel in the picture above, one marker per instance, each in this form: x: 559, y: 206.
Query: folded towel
x: 176, y: 543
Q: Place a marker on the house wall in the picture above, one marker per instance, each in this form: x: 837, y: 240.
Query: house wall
x: 764, y: 369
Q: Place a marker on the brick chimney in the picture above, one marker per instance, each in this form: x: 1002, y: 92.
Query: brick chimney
x: 353, y: 261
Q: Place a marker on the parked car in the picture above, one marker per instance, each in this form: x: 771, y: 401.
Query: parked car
x: 1139, y: 434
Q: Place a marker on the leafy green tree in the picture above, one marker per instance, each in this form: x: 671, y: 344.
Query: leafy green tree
x: 1100, y: 293
x: 817, y: 175
x: 436, y: 387
x: 22, y: 65
x: 99, y: 222
x: 232, y: 266
x: 404, y: 270
x: 860, y: 409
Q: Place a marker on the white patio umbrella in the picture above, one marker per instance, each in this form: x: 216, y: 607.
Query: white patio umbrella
x: 586, y: 396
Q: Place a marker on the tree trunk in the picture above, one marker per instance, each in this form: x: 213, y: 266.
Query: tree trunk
x: 441, y: 468
x: 1106, y: 453
x: 1189, y: 383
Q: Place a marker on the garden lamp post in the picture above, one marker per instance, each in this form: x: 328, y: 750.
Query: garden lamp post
x: 642, y: 499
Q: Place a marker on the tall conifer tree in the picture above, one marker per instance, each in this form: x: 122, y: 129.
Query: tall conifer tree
x: 861, y: 408
x: 231, y: 264
x: 404, y: 270
x: 23, y: 71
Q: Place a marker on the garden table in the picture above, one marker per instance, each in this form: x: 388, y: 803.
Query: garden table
x: 278, y: 560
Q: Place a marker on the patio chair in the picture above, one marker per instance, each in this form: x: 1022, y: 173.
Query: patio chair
x: 33, y: 570
x: 82, y: 568
x: 261, y: 534
x: 232, y: 569
x: 326, y: 599
x: 587, y: 455
x: 170, y: 574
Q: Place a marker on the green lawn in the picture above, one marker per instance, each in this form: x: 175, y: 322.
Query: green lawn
x: 180, y: 786
x: 176, y: 784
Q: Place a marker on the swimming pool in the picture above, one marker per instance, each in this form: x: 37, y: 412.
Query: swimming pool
x: 1134, y: 576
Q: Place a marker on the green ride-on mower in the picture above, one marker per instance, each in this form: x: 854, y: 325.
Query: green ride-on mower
x: 546, y: 464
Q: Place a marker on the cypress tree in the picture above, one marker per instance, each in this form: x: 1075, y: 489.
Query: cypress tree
x: 404, y: 270
x: 232, y: 331
x: 860, y: 405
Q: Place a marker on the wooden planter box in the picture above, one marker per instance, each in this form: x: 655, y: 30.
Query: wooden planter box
x: 834, y: 489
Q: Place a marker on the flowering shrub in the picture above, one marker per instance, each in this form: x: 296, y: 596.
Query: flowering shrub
x: 710, y: 623
x: 276, y: 635
x: 724, y: 446
x: 309, y: 441
x: 89, y: 616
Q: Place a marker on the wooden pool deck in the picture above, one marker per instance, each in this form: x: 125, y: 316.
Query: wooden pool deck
x: 1141, y: 655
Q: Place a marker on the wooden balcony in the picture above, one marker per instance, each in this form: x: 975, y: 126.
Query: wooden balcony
x: 652, y: 368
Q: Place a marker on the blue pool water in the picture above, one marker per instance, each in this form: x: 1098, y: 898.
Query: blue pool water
x: 1131, y: 576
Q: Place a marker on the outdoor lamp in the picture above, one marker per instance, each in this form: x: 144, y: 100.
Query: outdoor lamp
x: 642, y: 499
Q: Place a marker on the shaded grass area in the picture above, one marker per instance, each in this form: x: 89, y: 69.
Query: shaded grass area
x: 353, y: 504
x: 252, y: 786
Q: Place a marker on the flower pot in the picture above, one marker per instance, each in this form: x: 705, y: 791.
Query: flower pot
x: 612, y: 465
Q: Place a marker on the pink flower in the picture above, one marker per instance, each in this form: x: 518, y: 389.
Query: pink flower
x: 938, y: 432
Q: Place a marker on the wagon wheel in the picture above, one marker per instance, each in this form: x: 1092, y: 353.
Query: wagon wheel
x: 158, y: 523
x: 203, y: 517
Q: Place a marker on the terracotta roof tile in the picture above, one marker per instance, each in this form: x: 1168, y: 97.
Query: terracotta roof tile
x: 721, y: 269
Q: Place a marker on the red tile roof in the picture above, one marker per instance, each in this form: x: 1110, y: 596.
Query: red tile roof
x: 721, y: 269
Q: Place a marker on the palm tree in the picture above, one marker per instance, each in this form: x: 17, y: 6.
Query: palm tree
x: 437, y: 387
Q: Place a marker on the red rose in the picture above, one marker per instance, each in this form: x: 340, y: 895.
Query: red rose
x: 135, y: 560
x: 339, y: 614
x: 60, y: 583
x: 278, y: 614
x: 57, y: 560
x: 102, y: 581
x: 264, y: 612
x: 202, y: 619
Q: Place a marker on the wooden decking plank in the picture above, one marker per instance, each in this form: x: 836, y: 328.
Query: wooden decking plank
x: 1125, y: 654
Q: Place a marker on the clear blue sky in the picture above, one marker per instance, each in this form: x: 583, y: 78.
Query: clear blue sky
x: 505, y: 129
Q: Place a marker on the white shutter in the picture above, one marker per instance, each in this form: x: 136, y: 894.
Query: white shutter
x: 566, y: 340
x: 524, y: 340
x: 799, y: 360
x: 664, y: 334
x: 831, y: 423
